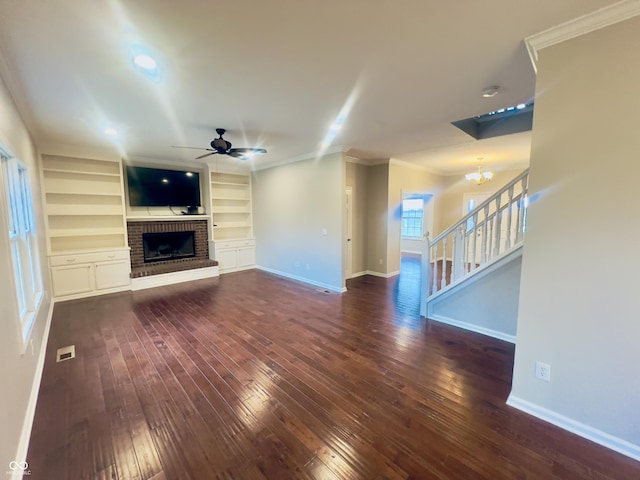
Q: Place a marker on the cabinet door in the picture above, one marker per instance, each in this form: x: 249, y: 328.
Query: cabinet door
x: 246, y: 257
x: 112, y: 274
x: 72, y: 279
x: 227, y: 259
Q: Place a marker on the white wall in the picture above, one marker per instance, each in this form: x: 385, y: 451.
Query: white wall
x: 357, y: 178
x: 579, y: 297
x: 407, y: 178
x: 487, y: 304
x: 17, y: 371
x: 292, y: 204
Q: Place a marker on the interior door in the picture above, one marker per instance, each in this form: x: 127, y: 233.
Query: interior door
x: 348, y: 251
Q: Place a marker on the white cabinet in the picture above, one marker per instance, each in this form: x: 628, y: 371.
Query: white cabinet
x: 84, y: 274
x: 72, y: 279
x: 234, y: 255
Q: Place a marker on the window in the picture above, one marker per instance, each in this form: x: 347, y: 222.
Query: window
x: 23, y: 242
x: 412, y: 209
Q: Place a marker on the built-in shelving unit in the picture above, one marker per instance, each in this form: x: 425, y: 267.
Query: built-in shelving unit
x: 86, y: 229
x: 231, y: 206
x: 233, y: 244
x: 84, y: 204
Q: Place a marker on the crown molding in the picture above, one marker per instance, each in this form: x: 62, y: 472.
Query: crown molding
x: 614, y: 13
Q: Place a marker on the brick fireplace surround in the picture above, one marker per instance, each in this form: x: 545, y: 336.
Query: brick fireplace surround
x: 139, y: 268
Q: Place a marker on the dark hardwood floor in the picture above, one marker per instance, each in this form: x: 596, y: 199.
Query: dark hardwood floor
x: 252, y: 376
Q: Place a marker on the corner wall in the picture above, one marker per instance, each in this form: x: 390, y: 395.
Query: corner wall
x: 293, y: 205
x: 18, y: 371
x: 579, y: 299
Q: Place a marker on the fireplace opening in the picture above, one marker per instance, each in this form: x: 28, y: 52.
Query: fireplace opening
x: 168, y: 245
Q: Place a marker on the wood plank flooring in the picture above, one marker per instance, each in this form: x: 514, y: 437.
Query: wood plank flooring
x: 252, y: 376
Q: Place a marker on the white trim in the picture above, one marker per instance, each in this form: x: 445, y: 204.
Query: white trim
x: 473, y: 328
x: 413, y: 252
x: 582, y: 25
x: 359, y: 274
x: 590, y: 433
x: 377, y: 274
x: 92, y: 293
x: 302, y: 279
x: 27, y: 425
x: 162, y: 279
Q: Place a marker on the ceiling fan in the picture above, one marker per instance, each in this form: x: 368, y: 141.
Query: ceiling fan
x: 223, y: 147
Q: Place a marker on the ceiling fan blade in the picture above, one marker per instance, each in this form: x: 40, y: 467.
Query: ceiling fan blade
x: 248, y: 151
x: 206, y: 154
x: 193, y: 148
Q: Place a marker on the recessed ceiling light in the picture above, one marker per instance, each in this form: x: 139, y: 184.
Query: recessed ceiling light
x: 490, y: 92
x: 520, y: 106
x: 145, y: 61
x: 189, y: 174
x: 111, y: 132
x: 164, y: 180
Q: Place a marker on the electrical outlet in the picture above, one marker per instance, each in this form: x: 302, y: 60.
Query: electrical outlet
x: 543, y: 371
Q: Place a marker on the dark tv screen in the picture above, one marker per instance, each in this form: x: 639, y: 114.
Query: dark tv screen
x: 155, y: 187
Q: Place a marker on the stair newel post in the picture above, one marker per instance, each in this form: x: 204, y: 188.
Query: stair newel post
x: 443, y: 268
x: 426, y: 275
x: 474, y: 232
x: 457, y: 269
x: 434, y: 255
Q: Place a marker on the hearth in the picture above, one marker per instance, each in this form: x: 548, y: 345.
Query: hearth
x: 168, y: 245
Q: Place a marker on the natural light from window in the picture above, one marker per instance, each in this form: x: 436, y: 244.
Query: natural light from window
x: 412, y: 209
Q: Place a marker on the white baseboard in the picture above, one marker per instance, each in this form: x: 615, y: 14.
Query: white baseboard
x: 151, y: 281
x: 597, y: 436
x: 474, y: 328
x: 27, y: 424
x: 381, y: 275
x: 326, y: 286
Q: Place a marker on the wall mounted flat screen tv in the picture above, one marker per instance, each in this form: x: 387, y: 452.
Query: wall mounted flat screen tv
x: 155, y: 187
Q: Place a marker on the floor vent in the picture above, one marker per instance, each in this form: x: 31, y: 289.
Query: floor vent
x: 323, y: 290
x: 65, y: 353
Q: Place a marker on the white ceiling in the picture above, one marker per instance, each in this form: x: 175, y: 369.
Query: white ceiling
x: 276, y: 74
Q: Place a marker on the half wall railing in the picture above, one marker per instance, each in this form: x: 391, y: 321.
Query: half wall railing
x: 489, y: 232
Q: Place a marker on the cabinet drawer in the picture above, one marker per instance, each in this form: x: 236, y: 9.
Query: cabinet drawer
x: 60, y: 260
x: 235, y: 243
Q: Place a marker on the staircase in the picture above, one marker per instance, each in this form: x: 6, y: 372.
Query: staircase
x: 487, y: 236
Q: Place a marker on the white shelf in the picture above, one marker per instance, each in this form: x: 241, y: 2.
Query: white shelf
x: 86, y: 232
x: 223, y: 210
x: 73, y: 210
x: 233, y: 184
x: 236, y: 199
x: 80, y: 172
x: 229, y: 225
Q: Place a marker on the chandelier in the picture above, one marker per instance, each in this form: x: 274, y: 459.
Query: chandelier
x: 479, y: 177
